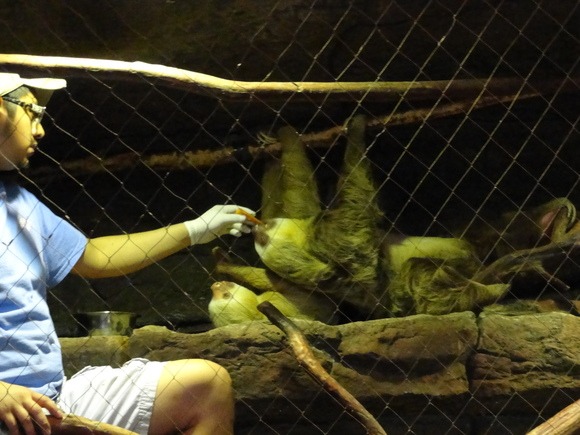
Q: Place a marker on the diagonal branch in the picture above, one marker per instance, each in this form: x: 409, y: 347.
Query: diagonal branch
x: 565, y: 422
x: 306, y: 359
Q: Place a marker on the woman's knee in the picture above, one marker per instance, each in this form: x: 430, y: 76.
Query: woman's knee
x: 191, y: 393
x: 200, y: 375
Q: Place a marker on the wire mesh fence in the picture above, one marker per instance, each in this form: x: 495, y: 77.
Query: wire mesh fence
x: 452, y: 196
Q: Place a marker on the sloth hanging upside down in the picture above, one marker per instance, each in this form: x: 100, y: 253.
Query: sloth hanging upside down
x: 325, y: 260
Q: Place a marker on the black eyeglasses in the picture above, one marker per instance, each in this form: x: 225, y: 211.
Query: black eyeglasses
x: 37, y: 112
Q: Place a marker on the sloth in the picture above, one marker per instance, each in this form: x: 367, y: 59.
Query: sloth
x: 233, y: 303
x: 312, y: 305
x: 340, y: 256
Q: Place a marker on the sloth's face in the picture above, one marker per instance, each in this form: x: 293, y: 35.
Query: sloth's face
x: 232, y: 303
x: 277, y: 233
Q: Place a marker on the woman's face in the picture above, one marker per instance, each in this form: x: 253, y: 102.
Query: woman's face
x: 20, y: 132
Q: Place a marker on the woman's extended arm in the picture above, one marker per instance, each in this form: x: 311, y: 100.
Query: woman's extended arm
x: 117, y: 255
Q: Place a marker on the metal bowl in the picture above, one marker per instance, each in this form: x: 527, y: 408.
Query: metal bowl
x: 96, y: 323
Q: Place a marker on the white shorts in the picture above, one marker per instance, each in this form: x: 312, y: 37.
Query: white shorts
x: 121, y: 396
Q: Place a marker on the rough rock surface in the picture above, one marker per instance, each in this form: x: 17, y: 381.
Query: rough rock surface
x: 458, y: 372
x: 526, y: 358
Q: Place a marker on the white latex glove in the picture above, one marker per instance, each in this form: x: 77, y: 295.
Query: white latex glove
x: 217, y: 221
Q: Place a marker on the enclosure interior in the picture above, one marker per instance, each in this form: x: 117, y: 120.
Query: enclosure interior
x: 431, y: 175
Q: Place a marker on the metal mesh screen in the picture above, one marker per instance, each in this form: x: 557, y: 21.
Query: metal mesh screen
x: 471, y: 112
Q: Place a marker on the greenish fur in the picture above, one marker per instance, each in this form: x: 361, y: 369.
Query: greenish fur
x: 312, y: 304
x: 235, y: 306
x: 398, y: 251
x: 271, y: 190
x: 342, y: 254
x: 340, y: 246
x: 239, y: 304
x: 289, y: 238
x: 288, y: 186
x: 347, y: 233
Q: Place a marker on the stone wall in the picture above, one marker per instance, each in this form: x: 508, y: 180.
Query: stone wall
x: 458, y: 373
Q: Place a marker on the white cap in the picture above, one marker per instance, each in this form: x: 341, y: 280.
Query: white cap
x: 43, y: 87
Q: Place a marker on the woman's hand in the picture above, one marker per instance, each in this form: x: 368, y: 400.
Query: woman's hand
x: 217, y: 221
x: 22, y: 408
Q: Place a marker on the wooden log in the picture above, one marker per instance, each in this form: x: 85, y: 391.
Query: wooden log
x: 76, y: 425
x: 565, y: 422
x: 306, y: 359
x: 203, y: 84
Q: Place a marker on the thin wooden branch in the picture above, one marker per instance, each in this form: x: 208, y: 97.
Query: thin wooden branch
x: 203, y: 84
x: 76, y: 425
x: 565, y: 422
x: 306, y: 359
x: 209, y: 158
x: 456, y: 96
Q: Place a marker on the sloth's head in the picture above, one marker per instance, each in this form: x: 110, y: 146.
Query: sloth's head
x: 232, y: 303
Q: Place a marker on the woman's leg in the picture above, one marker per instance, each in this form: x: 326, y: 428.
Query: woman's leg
x: 194, y: 396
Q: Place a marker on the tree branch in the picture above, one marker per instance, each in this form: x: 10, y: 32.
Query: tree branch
x: 565, y: 422
x: 306, y: 359
x: 204, y: 84
x: 76, y: 425
x: 210, y: 158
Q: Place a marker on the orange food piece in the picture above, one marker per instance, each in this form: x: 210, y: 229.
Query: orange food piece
x: 249, y: 216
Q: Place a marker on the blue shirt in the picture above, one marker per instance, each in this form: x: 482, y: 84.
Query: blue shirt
x: 37, y: 250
